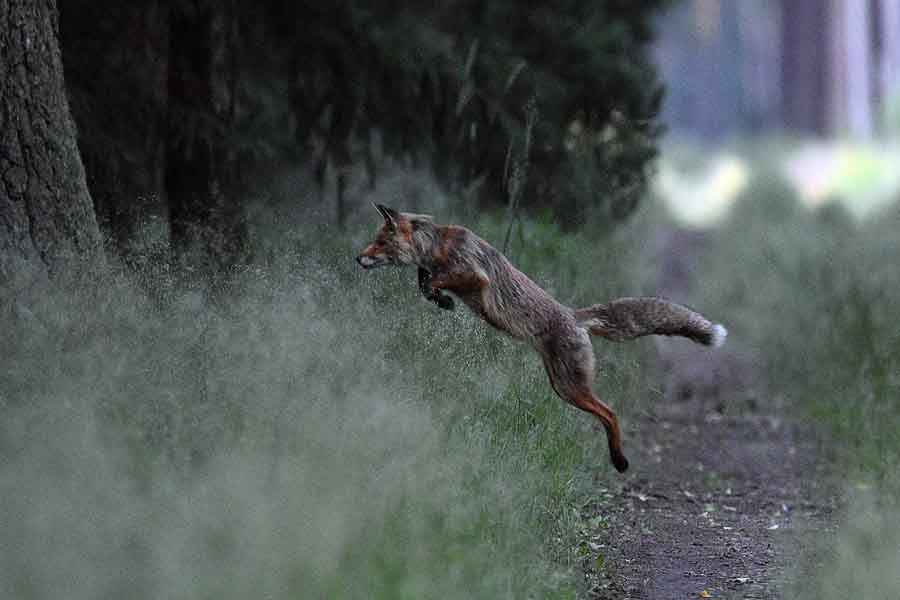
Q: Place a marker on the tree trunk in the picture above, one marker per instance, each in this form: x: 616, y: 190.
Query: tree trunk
x: 889, y: 62
x: 114, y: 55
x: 804, y: 62
x: 207, y: 227
x: 47, y: 223
x: 857, y: 93
x: 758, y: 25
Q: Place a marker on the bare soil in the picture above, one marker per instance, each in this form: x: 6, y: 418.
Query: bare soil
x: 721, y: 502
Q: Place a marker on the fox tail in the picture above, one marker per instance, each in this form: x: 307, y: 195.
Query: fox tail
x: 629, y: 318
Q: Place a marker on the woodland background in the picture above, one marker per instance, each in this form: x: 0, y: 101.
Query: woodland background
x: 201, y: 395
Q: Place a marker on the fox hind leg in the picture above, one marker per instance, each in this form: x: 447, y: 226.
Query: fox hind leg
x: 589, y: 402
x: 570, y: 367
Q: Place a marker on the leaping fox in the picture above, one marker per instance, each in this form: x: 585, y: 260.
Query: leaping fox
x: 453, y: 259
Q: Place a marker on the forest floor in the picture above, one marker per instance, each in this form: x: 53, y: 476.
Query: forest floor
x: 716, y: 505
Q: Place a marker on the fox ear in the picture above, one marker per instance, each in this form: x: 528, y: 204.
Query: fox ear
x: 390, y: 215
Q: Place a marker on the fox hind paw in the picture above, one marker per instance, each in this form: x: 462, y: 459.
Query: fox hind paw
x: 619, y: 462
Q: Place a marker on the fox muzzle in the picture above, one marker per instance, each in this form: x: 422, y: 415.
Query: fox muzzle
x: 369, y: 262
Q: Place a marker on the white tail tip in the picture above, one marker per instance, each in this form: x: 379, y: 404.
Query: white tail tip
x: 719, y: 333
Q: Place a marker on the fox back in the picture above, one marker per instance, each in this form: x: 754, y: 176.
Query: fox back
x: 510, y: 301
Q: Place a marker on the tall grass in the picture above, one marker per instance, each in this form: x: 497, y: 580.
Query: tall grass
x: 307, y: 430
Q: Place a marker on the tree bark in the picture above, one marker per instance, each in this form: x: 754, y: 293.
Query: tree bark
x: 47, y: 223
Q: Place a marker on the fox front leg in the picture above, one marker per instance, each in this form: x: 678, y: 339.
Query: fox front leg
x: 460, y: 282
x: 433, y: 294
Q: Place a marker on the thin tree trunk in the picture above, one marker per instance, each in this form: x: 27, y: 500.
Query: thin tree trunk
x: 47, y: 222
x: 207, y: 227
x: 890, y: 50
x: 857, y: 54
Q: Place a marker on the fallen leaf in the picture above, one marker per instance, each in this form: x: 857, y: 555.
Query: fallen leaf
x: 705, y: 594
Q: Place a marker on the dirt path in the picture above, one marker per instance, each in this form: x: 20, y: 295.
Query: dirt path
x: 715, y: 505
x: 727, y: 496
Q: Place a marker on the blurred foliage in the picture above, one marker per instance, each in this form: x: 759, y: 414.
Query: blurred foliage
x: 452, y: 83
x: 333, y: 85
x: 813, y: 290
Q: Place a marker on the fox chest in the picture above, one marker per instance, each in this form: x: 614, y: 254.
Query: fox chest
x: 496, y: 314
x: 479, y: 304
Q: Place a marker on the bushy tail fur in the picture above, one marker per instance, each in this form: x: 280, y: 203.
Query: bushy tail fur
x: 628, y: 318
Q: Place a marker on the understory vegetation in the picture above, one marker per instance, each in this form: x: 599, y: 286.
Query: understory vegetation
x: 301, y: 429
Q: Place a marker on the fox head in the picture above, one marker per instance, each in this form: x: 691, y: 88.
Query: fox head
x: 400, y: 241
